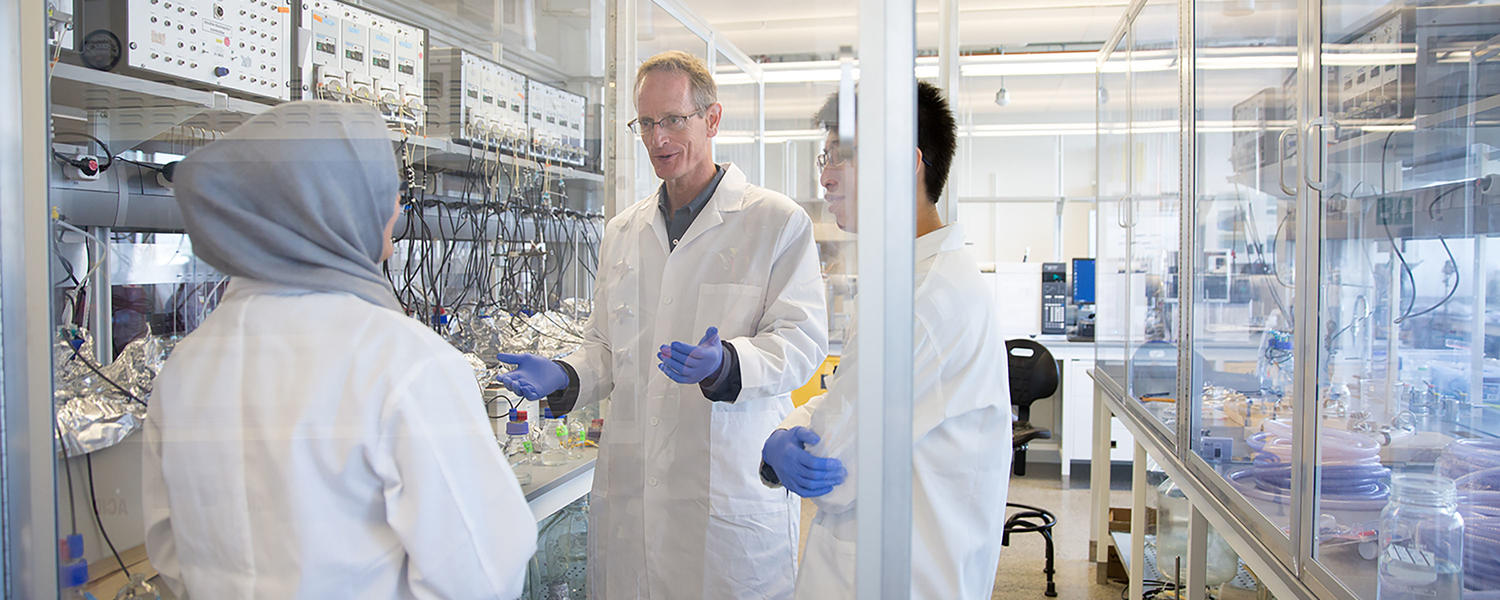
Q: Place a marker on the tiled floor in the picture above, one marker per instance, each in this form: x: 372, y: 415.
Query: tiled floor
x: 1020, y: 572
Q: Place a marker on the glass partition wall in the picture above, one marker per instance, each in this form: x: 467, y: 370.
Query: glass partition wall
x: 1407, y: 364
x: 497, y: 117
x: 1336, y: 293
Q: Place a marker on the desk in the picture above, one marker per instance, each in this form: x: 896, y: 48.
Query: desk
x: 1069, y: 412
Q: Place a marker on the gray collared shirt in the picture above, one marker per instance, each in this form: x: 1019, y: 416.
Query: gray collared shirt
x: 680, y: 220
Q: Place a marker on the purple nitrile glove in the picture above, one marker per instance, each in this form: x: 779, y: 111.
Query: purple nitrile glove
x: 534, y: 377
x: 800, y: 471
x: 685, y: 363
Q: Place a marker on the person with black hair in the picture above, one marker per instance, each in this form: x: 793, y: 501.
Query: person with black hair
x: 961, y: 422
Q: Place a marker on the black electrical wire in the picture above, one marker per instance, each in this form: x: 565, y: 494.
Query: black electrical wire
x: 1406, y: 313
x: 1446, y: 298
x: 1405, y: 272
x: 67, y: 472
x: 1384, y: 146
x: 1156, y: 588
x: 98, y: 520
x: 90, y: 364
x: 102, y: 146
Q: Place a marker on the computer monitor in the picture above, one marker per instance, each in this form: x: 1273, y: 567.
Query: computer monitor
x: 1083, y: 281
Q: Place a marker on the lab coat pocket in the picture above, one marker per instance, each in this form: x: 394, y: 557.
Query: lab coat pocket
x: 752, y: 556
x: 734, y: 464
x: 827, y: 569
x: 734, y: 308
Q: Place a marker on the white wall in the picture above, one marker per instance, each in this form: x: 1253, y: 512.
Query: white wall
x: 1027, y: 170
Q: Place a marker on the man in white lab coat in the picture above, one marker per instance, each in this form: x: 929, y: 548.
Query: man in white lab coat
x: 961, y: 423
x: 310, y: 440
x: 709, y: 311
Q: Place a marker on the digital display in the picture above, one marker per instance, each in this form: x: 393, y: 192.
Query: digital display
x: 354, y: 55
x: 326, y: 47
x: 382, y: 62
x: 1083, y: 281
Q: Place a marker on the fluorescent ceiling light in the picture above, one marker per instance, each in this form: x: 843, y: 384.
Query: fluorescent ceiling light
x: 1073, y: 63
x: 1368, y: 58
x: 1164, y: 127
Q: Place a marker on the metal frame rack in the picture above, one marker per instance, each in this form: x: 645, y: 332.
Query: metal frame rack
x: 530, y: 205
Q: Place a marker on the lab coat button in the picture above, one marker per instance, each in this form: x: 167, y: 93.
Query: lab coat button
x: 653, y: 482
x: 667, y: 300
x: 655, y: 421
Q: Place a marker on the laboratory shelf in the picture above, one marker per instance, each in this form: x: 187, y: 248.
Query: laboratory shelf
x: 553, y: 488
x: 1243, y: 580
x: 80, y: 87
x: 1375, y: 141
x: 91, y: 205
x: 446, y: 153
x: 139, y: 109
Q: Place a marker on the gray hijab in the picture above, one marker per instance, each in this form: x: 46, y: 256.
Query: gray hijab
x: 299, y: 196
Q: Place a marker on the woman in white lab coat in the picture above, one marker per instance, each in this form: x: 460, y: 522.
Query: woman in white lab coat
x: 309, y: 440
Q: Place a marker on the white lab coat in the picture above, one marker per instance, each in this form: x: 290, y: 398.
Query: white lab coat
x: 315, y: 445
x: 677, y: 509
x: 961, y: 428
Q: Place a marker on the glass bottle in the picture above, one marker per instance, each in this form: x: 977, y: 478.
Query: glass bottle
x: 578, y: 435
x: 1421, y: 540
x: 554, y: 439
x: 518, y: 446
x: 1172, y: 514
x: 1421, y: 394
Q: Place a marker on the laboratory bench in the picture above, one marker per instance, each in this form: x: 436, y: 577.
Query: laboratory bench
x: 1221, y: 507
x: 552, y: 488
x: 1210, y: 508
x: 549, y: 491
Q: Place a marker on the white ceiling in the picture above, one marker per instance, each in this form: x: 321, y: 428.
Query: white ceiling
x: 802, y: 28
x: 772, y: 27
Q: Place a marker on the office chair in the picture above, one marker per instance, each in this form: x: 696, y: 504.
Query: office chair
x: 1033, y: 376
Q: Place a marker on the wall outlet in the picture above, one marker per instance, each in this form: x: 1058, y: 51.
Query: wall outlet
x: 1215, y: 449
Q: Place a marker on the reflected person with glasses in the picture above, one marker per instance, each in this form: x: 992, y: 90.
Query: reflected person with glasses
x: 708, y: 312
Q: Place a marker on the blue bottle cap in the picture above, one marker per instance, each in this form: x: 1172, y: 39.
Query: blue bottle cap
x: 74, y: 574
x: 516, y: 428
x: 75, y: 546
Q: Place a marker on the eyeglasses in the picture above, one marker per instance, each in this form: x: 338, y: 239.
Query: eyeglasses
x: 834, y: 156
x: 839, y: 157
x: 642, y: 125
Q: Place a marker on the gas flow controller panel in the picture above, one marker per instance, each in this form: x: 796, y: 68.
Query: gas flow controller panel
x: 240, y: 46
x: 1054, y: 297
x: 556, y: 122
x: 359, y: 56
x: 478, y: 101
